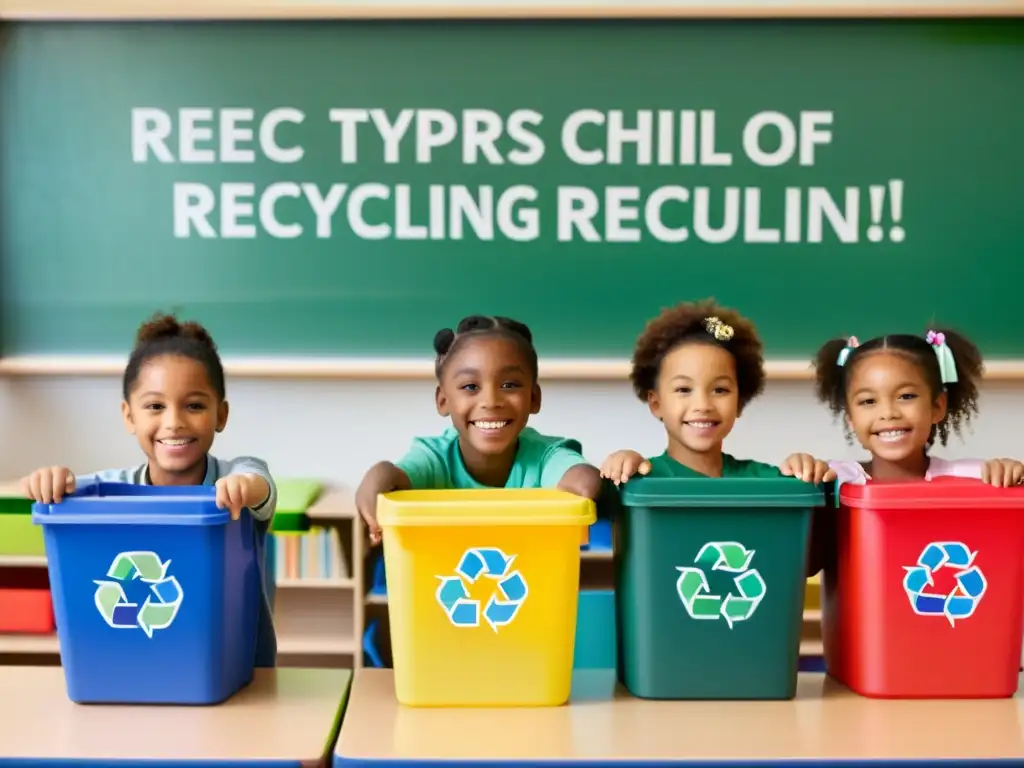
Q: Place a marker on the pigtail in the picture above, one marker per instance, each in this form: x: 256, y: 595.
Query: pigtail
x: 443, y: 341
x: 961, y: 395
x: 828, y: 375
x: 446, y: 340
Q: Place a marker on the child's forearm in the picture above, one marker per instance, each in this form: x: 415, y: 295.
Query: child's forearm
x: 382, y: 477
x: 582, y: 480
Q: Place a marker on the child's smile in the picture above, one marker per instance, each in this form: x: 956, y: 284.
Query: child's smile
x: 174, y: 413
x: 696, y: 398
x: 489, y: 392
x: 890, y: 407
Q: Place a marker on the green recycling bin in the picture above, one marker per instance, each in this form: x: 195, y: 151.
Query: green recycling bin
x: 710, y: 586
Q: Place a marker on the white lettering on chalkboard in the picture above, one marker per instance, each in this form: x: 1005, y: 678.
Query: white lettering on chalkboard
x: 562, y: 196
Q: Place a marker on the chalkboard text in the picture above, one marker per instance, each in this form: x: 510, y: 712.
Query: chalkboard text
x: 673, y: 208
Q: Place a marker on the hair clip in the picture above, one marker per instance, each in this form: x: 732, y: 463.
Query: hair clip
x: 851, y: 344
x: 947, y: 365
x: 718, y: 329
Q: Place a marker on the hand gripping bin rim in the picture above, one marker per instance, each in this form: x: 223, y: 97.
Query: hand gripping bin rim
x: 667, y: 523
x: 872, y: 521
x: 202, y: 663
x: 526, y: 658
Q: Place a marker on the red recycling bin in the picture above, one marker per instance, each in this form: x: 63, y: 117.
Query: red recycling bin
x: 924, y: 595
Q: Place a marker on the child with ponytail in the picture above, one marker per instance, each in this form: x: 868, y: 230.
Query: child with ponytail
x: 901, y: 393
x: 486, y: 372
x: 174, y: 402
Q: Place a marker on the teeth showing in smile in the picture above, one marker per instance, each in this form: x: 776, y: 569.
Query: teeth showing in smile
x: 702, y: 424
x: 177, y: 442
x: 892, y: 434
x: 490, y: 424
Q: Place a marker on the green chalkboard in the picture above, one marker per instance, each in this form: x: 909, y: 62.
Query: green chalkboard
x: 778, y: 152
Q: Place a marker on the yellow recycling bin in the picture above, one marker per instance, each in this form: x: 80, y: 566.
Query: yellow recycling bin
x: 483, y: 587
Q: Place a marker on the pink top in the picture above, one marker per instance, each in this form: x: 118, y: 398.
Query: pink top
x: 852, y: 471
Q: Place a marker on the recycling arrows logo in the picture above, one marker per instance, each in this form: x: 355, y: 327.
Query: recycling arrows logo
x: 503, y: 604
x: 963, y: 600
x: 160, y: 606
x: 731, y: 557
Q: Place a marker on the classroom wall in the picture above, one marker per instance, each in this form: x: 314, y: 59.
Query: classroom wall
x: 336, y: 429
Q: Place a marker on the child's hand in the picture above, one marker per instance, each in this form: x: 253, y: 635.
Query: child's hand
x: 49, y: 484
x: 807, y: 468
x: 622, y: 465
x: 366, y: 503
x: 237, y: 491
x: 1002, y: 473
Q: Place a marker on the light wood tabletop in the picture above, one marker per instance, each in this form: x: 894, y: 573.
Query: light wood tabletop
x: 603, y: 724
x: 285, y: 717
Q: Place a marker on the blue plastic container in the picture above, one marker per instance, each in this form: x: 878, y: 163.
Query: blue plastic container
x: 156, y: 594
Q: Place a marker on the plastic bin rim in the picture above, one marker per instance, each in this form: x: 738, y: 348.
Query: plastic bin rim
x: 682, y: 492
x: 504, y: 508
x: 927, y: 494
x: 74, y: 511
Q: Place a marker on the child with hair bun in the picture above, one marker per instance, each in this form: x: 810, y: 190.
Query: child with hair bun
x: 697, y: 366
x: 899, y: 394
x: 174, y: 402
x: 486, y: 372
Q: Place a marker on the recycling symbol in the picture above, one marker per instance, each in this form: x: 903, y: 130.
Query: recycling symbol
x: 161, y: 604
x: 963, y: 599
x: 503, y: 604
x: 731, y: 557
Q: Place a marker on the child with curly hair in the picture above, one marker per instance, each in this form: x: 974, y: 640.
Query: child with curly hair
x: 899, y: 394
x: 174, y: 402
x: 486, y: 372
x: 698, y: 366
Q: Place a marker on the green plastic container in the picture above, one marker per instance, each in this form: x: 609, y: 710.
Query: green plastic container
x: 18, y: 536
x: 710, y: 586
x: 294, y: 498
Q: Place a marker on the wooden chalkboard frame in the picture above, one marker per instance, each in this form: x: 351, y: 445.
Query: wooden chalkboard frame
x: 420, y: 369
x: 402, y: 369
x: 142, y: 10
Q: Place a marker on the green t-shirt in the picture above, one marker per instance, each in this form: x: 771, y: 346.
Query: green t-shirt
x: 665, y: 466
x: 541, y: 461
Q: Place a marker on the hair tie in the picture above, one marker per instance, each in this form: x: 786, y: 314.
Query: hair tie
x: 851, y: 344
x: 718, y: 329
x: 947, y: 365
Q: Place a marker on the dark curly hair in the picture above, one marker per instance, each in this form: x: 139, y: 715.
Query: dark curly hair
x: 447, y: 341
x: 164, y: 335
x: 685, y: 323
x: 831, y: 379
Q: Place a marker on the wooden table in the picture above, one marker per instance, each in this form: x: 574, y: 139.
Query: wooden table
x: 604, y: 726
x: 285, y: 717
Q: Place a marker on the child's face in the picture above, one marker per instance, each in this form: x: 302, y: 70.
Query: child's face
x: 489, y: 392
x: 174, y: 413
x: 889, y: 406
x: 697, y: 397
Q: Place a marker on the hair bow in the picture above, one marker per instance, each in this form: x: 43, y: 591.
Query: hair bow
x: 718, y: 329
x: 851, y: 344
x: 947, y: 365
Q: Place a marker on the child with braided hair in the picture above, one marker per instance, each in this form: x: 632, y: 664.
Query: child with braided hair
x: 486, y: 372
x: 697, y: 366
x: 899, y: 394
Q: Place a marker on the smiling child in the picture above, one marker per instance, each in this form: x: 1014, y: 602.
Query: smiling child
x: 486, y: 374
x: 174, y: 403
x: 698, y: 366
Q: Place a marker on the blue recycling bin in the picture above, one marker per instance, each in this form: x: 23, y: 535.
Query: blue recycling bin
x: 156, y: 594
